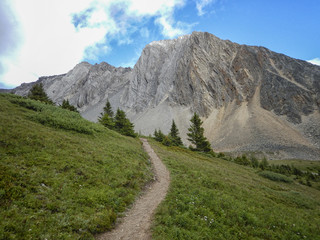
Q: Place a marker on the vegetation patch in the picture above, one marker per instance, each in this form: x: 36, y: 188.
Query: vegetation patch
x: 275, y: 176
x: 58, y: 183
x: 53, y: 116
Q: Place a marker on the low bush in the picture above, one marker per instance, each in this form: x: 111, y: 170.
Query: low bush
x: 53, y: 116
x: 275, y: 176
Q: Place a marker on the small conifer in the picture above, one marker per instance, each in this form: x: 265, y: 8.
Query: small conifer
x: 196, y: 136
x: 158, y: 136
x: 68, y: 106
x: 108, y: 109
x: 37, y: 93
x: 123, y: 124
x: 106, y: 121
x: 174, y: 135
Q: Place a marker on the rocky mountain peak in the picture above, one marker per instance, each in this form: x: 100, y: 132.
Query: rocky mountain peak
x: 250, y: 98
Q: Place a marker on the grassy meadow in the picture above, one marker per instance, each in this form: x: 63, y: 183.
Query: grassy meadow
x: 62, y: 177
x: 211, y: 198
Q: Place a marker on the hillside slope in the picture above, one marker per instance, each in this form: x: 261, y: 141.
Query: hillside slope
x: 250, y: 98
x: 61, y: 176
x: 211, y: 198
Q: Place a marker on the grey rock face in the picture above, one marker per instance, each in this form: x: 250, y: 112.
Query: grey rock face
x: 250, y: 98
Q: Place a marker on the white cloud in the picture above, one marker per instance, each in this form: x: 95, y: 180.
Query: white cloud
x: 59, y: 34
x: 151, y: 8
x: 168, y: 30
x: 201, y: 4
x: 315, y: 61
x: 50, y: 45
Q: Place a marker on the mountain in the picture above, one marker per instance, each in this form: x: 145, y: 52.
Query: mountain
x: 250, y: 98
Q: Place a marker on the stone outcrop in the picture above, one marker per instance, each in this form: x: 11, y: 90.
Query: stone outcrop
x: 250, y: 98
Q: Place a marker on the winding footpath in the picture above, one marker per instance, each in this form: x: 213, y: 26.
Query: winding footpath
x: 137, y: 222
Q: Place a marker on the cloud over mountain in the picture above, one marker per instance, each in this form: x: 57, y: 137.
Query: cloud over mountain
x: 56, y: 35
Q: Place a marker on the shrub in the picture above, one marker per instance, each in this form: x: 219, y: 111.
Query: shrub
x: 53, y: 116
x: 275, y: 176
x: 28, y: 103
x: 264, y: 164
x: 68, y: 106
x: 243, y: 160
x: 158, y: 135
x: 254, y: 162
x: 167, y: 141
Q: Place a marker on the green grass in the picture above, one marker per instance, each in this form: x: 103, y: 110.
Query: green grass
x: 62, y: 177
x: 210, y: 198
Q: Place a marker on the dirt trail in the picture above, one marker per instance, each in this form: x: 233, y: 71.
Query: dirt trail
x: 136, y: 224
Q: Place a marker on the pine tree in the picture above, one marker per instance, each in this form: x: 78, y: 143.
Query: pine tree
x: 123, y: 125
x: 158, y: 136
x: 155, y: 134
x: 106, y: 117
x: 108, y: 109
x: 264, y: 164
x: 106, y: 121
x: 174, y: 135
x: 196, y: 136
x: 37, y: 93
x: 67, y: 105
x: 167, y: 141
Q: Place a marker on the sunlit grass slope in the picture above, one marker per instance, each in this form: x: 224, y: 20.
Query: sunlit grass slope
x: 210, y: 198
x: 62, y: 177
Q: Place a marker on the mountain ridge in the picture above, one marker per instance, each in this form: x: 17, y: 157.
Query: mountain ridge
x: 250, y: 98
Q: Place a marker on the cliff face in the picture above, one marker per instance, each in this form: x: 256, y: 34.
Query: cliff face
x: 250, y: 98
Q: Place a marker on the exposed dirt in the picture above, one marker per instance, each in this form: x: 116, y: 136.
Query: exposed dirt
x: 136, y: 224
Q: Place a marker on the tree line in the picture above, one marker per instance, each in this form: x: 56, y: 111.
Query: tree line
x: 195, y: 136
x: 120, y: 123
x: 37, y: 93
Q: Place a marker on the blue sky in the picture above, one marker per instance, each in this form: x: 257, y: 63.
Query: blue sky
x: 46, y: 37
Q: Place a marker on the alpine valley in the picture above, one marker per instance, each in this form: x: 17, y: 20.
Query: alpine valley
x: 250, y: 98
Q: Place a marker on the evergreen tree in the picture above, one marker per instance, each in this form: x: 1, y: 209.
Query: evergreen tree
x: 106, y: 121
x: 167, y: 141
x: 106, y: 117
x: 264, y: 164
x: 123, y: 125
x: 37, y: 93
x: 174, y: 135
x: 158, y: 136
x: 67, y: 105
x: 254, y: 162
x: 196, y: 136
x: 108, y: 109
x: 155, y: 134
